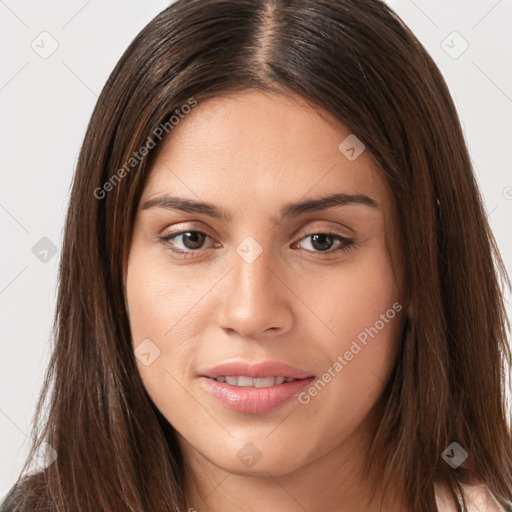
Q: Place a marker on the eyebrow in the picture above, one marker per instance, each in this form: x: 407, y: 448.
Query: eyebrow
x: 288, y: 210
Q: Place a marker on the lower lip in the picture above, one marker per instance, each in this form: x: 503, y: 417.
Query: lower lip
x: 254, y: 400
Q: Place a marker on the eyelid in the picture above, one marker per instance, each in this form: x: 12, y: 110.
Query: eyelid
x: 311, y: 230
x: 299, y: 234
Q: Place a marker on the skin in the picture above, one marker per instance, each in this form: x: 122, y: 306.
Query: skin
x: 250, y: 154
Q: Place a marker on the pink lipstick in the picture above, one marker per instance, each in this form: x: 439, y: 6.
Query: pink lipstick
x: 254, y: 388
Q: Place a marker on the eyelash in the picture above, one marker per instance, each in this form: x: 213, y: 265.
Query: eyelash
x: 347, y: 243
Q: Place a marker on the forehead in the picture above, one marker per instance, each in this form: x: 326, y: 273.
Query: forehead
x: 258, y: 148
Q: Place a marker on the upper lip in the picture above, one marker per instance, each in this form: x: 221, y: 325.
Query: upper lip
x: 256, y: 370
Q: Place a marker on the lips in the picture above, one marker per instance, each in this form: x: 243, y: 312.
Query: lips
x: 256, y: 370
x: 254, y: 388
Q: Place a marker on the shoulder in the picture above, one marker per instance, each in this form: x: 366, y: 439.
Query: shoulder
x: 478, y: 499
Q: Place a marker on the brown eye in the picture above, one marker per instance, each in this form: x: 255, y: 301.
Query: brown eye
x: 193, y: 239
x: 186, y: 241
x: 322, y: 242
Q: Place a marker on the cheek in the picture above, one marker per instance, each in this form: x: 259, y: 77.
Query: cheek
x: 157, y: 301
x: 157, y: 314
x: 361, y: 295
x: 165, y: 320
x: 364, y: 313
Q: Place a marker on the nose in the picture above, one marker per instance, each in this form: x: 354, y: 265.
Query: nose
x: 257, y: 300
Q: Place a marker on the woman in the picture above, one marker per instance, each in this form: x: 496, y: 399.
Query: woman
x: 278, y: 287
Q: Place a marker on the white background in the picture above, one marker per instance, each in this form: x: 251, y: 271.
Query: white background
x: 45, y: 105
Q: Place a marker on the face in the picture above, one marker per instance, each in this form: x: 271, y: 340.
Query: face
x: 236, y: 261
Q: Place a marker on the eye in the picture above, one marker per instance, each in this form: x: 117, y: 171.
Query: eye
x: 190, y: 241
x: 323, y: 242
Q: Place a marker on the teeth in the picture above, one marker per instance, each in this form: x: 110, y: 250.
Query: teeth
x: 249, y: 382
x: 245, y: 382
x: 265, y: 382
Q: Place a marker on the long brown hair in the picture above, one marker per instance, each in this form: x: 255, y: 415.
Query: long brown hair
x: 357, y: 60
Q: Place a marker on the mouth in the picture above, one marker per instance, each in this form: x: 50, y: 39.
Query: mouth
x: 246, y: 397
x: 250, y: 382
x: 254, y: 388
